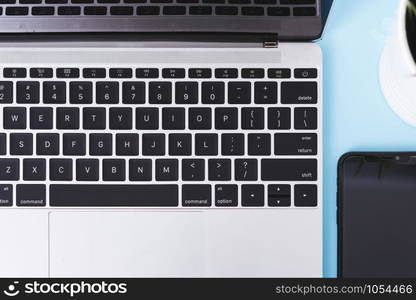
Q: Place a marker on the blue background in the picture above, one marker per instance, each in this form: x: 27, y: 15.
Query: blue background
x: 357, y: 118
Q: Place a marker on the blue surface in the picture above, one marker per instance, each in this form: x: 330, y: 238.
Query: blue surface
x: 357, y: 117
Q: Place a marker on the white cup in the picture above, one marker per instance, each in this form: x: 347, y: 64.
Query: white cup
x: 403, y: 40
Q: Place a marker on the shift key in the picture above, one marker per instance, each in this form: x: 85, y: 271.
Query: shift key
x: 289, y: 169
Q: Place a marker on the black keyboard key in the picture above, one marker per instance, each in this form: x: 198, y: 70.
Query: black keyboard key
x: 74, y: 144
x: 173, y: 118
x: 153, y: 144
x: 252, y: 118
x: 67, y: 73
x: 69, y: 10
x: 87, y: 170
x: 180, y: 144
x: 200, y: 10
x: 245, y: 170
x: 127, y: 144
x: 226, y: 118
x: 54, y: 92
x: 279, y: 73
x: 199, y: 73
x: 306, y: 73
x: 17, y: 11
x: 9, y: 169
x: 6, y: 92
x: 14, y: 72
x: 34, y: 169
x: 21, y: 143
x: 200, y: 118
x: 67, y: 118
x: 134, y: 92
x: 295, y: 144
x: 148, y: 10
x: 239, y: 92
x: 27, y: 92
x: 252, y: 73
x: 6, y: 195
x: 193, y: 169
x: 114, y: 169
x: 160, y: 92
x: 226, y: 195
x: 41, y: 118
x: 31, y: 195
x: 279, y: 118
x: 196, y: 195
x: 186, y: 93
x: 121, y: 118
x: 94, y: 118
x: 101, y: 144
x: 219, y: 169
x: 306, y: 118
x: 41, y: 72
x: 306, y: 195
x: 299, y: 92
x: 14, y: 118
x: 213, y: 93
x: 114, y: 195
x: 166, y: 170
x: 278, y: 195
x: 60, y: 169
x: 297, y: 2
x: 174, y: 10
x: 147, y: 118
x: 173, y: 73
x: 140, y: 170
x: 121, y: 73
x: 226, y: 73
x: 259, y: 144
x: 265, y: 93
x: 94, y: 73
x: 80, y: 92
x: 95, y: 11
x: 3, y: 144
x: 232, y: 144
x: 43, y: 11
x: 304, y: 11
x: 121, y: 10
x: 279, y: 11
x: 206, y: 144
x: 226, y: 10
x: 147, y: 73
x: 107, y: 92
x: 289, y: 169
x: 252, y: 11
x: 47, y: 144
x: 252, y: 195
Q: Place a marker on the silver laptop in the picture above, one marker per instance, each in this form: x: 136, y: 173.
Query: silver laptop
x: 161, y: 138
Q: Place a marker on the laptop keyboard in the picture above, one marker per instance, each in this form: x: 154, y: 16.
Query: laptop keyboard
x: 159, y: 137
x: 39, y: 8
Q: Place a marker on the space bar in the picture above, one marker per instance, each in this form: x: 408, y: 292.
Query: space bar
x: 113, y: 195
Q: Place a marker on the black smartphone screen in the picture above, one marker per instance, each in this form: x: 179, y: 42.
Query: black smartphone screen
x: 377, y: 216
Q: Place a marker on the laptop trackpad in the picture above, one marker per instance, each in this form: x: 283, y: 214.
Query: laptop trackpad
x: 123, y: 244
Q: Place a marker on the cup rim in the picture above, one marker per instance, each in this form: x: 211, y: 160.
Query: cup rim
x: 404, y: 42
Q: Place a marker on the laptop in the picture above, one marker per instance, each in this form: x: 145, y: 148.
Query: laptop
x: 161, y: 138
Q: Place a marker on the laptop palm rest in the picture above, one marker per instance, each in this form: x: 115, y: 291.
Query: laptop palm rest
x: 180, y: 244
x: 107, y: 244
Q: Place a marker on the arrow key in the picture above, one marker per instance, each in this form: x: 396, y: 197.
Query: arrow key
x: 252, y: 195
x: 306, y: 195
x: 279, y: 195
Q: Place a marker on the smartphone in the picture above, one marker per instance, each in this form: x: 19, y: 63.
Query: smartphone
x: 377, y: 215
